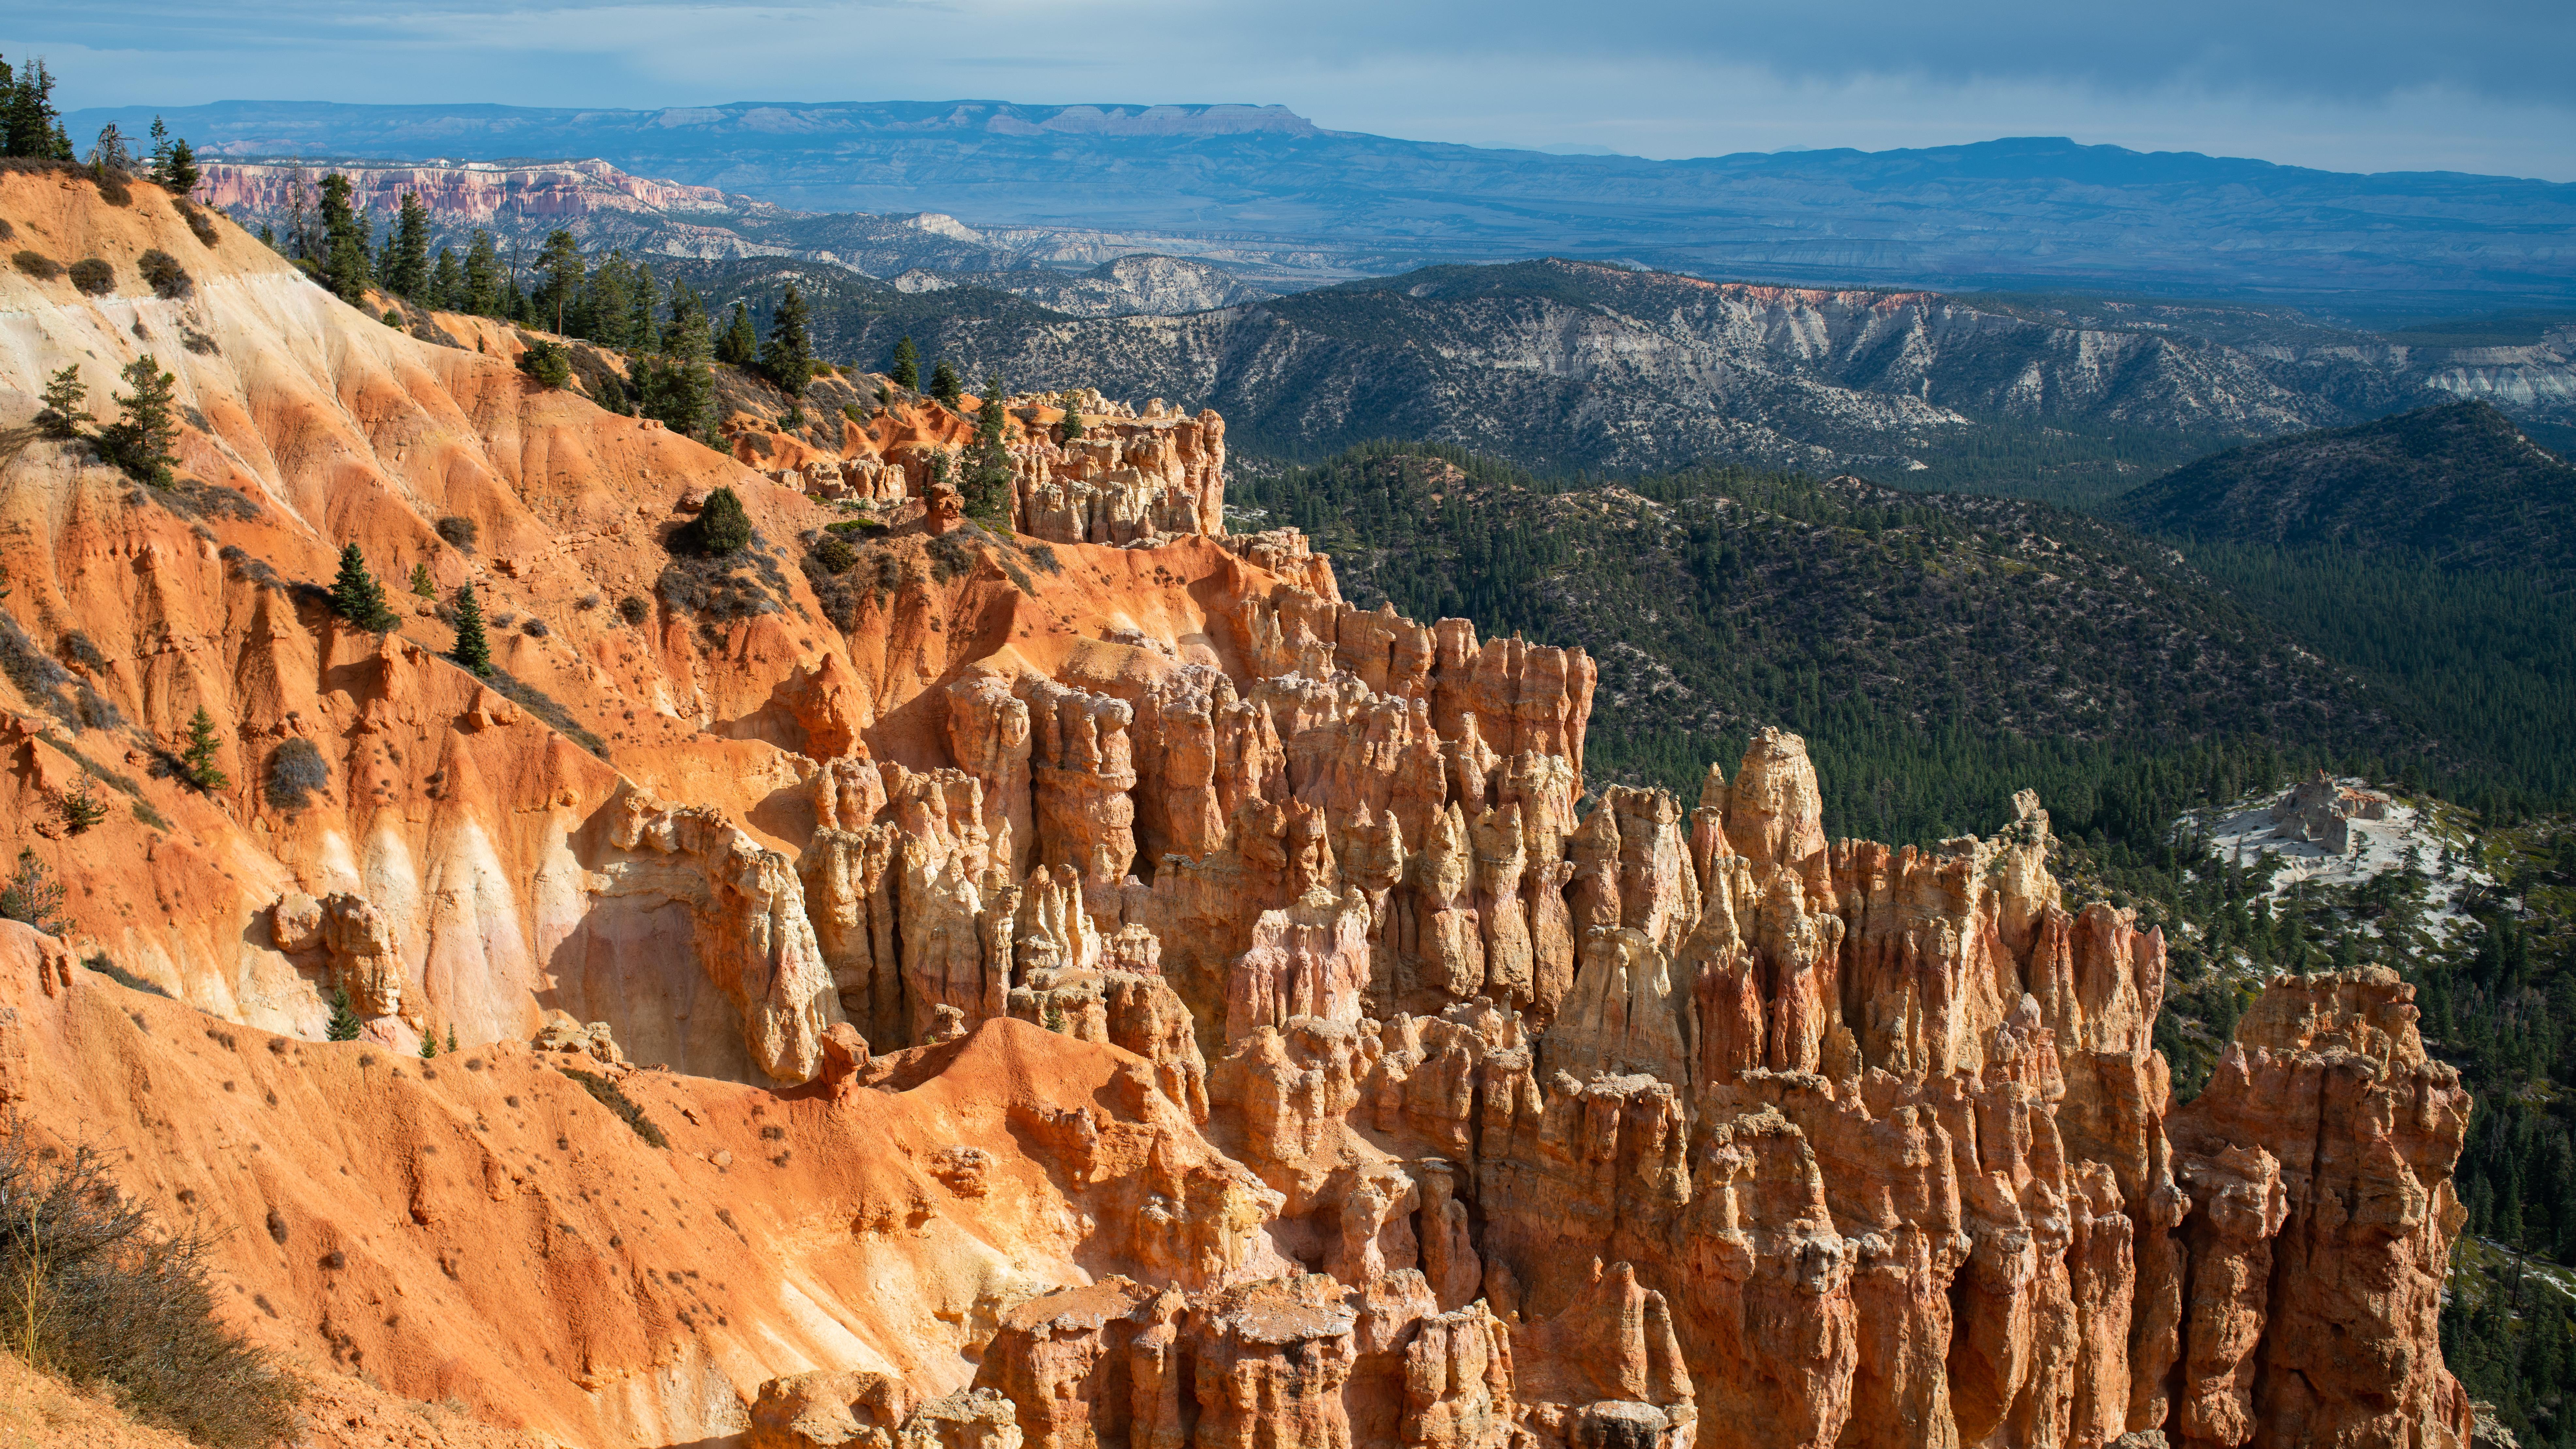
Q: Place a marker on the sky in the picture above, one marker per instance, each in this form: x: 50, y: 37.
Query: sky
x: 2361, y: 85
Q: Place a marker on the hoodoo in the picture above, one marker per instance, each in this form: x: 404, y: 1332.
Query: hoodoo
x: 1073, y: 982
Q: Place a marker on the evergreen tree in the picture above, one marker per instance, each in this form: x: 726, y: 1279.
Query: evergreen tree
x: 31, y: 123
x: 159, y: 172
x: 946, y: 385
x: 788, y: 356
x: 184, y: 174
x: 473, y: 652
x: 677, y: 387
x: 62, y: 397
x: 408, y: 273
x: 559, y: 278
x: 428, y: 1045
x: 723, y: 527
x: 907, y: 366
x: 740, y: 345
x: 641, y: 334
x: 447, y: 283
x: 357, y: 597
x: 141, y: 441
x: 483, y: 295
x: 608, y: 302
x: 344, y: 261
x: 33, y: 897
x: 451, y: 1038
x: 345, y: 1024
x: 1072, y: 417
x: 987, y: 494
x: 197, y: 759
x: 422, y: 585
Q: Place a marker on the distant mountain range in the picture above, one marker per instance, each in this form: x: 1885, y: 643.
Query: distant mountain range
x: 2019, y: 214
x: 1562, y: 366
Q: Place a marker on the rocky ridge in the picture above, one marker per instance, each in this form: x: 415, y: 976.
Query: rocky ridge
x: 1120, y: 993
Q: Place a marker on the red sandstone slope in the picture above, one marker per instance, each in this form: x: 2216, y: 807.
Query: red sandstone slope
x: 1107, y: 992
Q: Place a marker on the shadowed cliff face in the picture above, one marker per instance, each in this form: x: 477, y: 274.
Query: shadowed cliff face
x: 1091, y: 985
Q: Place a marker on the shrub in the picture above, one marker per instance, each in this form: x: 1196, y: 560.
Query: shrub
x: 97, y: 1293
x: 535, y: 628
x: 605, y: 1092
x: 721, y: 527
x: 392, y: 318
x: 549, y: 363
x: 37, y: 265
x: 295, y: 770
x: 163, y: 271
x: 113, y: 190
x: 633, y: 609
x: 7, y: 232
x: 836, y: 556
x: 94, y: 276
x: 460, y: 533
x: 588, y: 601
x: 199, y: 221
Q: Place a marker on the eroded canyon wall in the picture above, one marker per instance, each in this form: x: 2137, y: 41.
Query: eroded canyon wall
x: 1106, y: 993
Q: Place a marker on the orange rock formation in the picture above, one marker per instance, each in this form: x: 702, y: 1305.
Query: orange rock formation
x: 1109, y: 994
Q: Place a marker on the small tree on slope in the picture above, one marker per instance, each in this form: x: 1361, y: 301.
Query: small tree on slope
x: 357, y: 597
x: 473, y: 652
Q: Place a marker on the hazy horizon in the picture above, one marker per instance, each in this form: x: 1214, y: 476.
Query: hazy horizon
x: 2354, y: 88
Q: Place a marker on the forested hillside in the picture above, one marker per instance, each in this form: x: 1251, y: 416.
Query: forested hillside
x: 2458, y: 484
x: 1938, y: 651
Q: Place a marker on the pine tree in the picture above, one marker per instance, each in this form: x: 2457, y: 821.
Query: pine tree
x: 31, y: 122
x: 345, y: 1024
x: 788, y: 356
x: 184, y: 174
x: 447, y: 283
x: 346, y: 268
x: 451, y: 1038
x: 1072, y: 417
x: 421, y: 583
x: 62, y: 397
x: 483, y: 280
x: 33, y: 897
x: 641, y: 334
x: 945, y: 384
x: 988, y: 473
x: 428, y: 1045
x: 160, y: 168
x: 408, y: 273
x: 142, y: 440
x: 907, y: 366
x: 740, y: 345
x: 559, y: 278
x: 109, y: 155
x: 357, y: 597
x: 473, y: 652
x: 197, y: 760
x: 677, y: 387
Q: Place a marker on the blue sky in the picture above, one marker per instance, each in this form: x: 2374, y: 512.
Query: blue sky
x: 2364, y: 85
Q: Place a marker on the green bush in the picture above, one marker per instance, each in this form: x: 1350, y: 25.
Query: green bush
x: 721, y: 526
x: 549, y: 363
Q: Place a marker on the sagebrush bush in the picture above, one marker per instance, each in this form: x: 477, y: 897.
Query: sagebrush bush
x: 295, y: 770
x: 93, y: 276
x: 92, y: 1289
x: 163, y: 271
x: 37, y: 265
x: 461, y: 533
